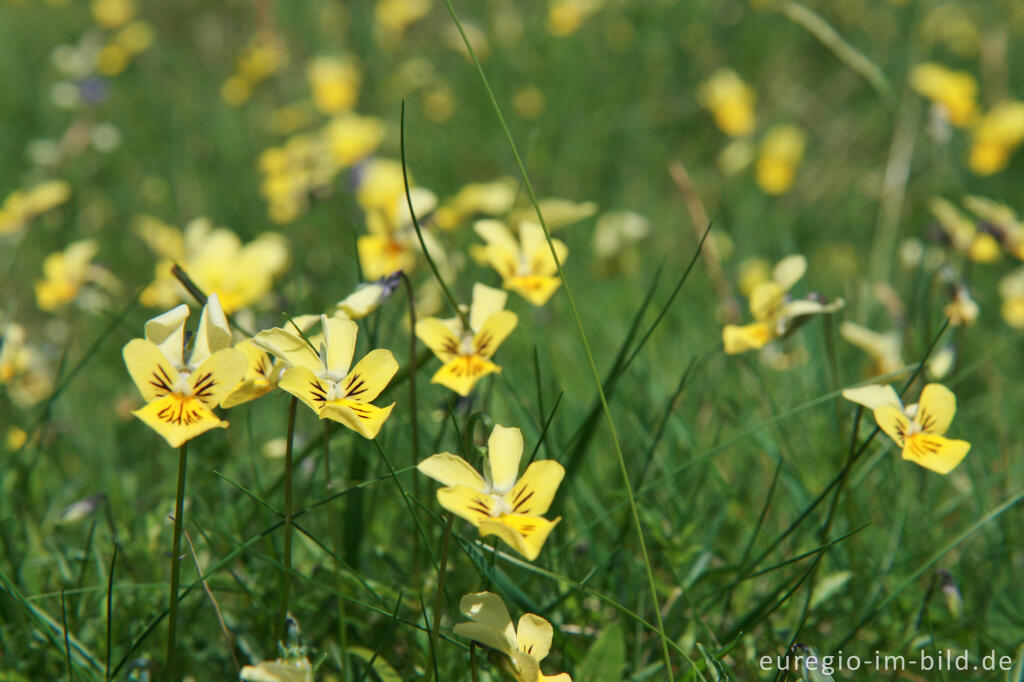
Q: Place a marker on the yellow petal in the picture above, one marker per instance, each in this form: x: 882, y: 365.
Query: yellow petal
x: 363, y: 418
x: 939, y: 454
x: 306, y: 386
x: 873, y: 396
x: 495, y: 329
x: 213, y: 333
x: 448, y: 469
x: 491, y: 624
x: 288, y: 347
x: 504, y: 450
x: 892, y: 420
x: 461, y: 373
x: 467, y: 503
x: 340, y: 338
x: 370, y: 376
x: 534, y: 491
x: 218, y: 376
x: 152, y: 373
x: 178, y: 418
x: 935, y: 409
x: 737, y: 339
x: 496, y: 233
x: 765, y: 299
x: 486, y: 301
x: 438, y: 337
x: 789, y: 270
x: 533, y: 635
x: 248, y: 390
x: 536, y: 289
x: 167, y: 331
x: 525, y: 534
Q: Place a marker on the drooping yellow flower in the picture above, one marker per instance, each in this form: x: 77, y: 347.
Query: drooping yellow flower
x: 918, y: 428
x: 730, y: 101
x: 466, y: 353
x: 335, y: 83
x: 181, y: 387
x: 22, y: 206
x: 963, y: 233
x: 368, y: 296
x: 500, y: 502
x: 477, y: 198
x: 525, y: 264
x: 782, y: 150
x: 775, y: 313
x: 66, y: 272
x: 997, y: 135
x: 1011, y: 289
x: 324, y: 378
x: 525, y: 645
x: 953, y: 92
x: 216, y: 260
x: 566, y: 16
x: 886, y: 350
x: 262, y: 375
x: 24, y: 373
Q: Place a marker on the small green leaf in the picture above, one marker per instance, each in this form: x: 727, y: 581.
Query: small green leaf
x: 606, y: 657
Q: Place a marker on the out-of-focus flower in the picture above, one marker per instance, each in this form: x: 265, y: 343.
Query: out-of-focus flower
x: 918, y: 428
x: 525, y: 264
x: 260, y: 59
x: 492, y: 199
x: 368, y: 296
x: 953, y: 92
x: 736, y: 156
x: 438, y: 102
x: 885, y: 349
x: 66, y: 272
x: 182, y: 388
x: 452, y: 38
x: 324, y: 379
x: 1001, y: 220
x: 961, y: 309
x: 557, y: 212
x: 22, y: 206
x: 299, y: 169
x: 135, y: 38
x: 776, y: 314
x: 24, y: 372
x: 216, y: 260
x: 15, y: 438
x: 615, y: 233
x: 501, y: 502
x: 730, y: 101
x: 394, y: 17
x: 963, y: 233
x: 280, y: 670
x: 466, y: 351
x: 1011, y: 289
x: 529, y: 102
x: 351, y: 137
x: 111, y: 14
x: 335, y: 83
x: 997, y: 135
x: 566, y: 16
x: 782, y: 150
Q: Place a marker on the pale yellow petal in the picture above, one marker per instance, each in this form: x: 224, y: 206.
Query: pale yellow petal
x: 288, y: 347
x: 486, y: 301
x: 789, y: 270
x: 494, y: 331
x: 766, y: 299
x: 488, y: 611
x: 218, y: 376
x: 467, y: 503
x: 438, y: 337
x: 179, y: 419
x: 496, y: 233
x: 737, y: 339
x: 168, y: 332
x: 448, y: 469
x: 892, y: 420
x: 534, y: 491
x: 504, y: 451
x: 525, y: 534
x: 363, y: 418
x: 370, y: 376
x: 340, y: 338
x: 537, y: 289
x: 213, y: 334
x: 461, y: 373
x: 873, y: 396
x: 935, y: 409
x: 154, y: 376
x: 939, y: 454
x: 533, y: 635
x: 302, y: 383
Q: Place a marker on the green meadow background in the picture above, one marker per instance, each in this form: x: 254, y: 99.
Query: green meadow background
x: 733, y: 461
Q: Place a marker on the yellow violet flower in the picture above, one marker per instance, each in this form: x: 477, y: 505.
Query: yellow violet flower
x: 525, y: 264
x: 181, y: 389
x: 466, y: 353
x: 351, y: 138
x: 1000, y: 219
x: 1011, y: 289
x: 281, y: 670
x: 494, y: 198
x: 774, y: 312
x: 961, y: 309
x: 525, y: 644
x: 918, y: 428
x: 953, y: 92
x: 392, y: 243
x: 393, y: 17
x: 324, y: 378
x: 20, y: 207
x: 262, y: 375
x: 500, y: 503
x: 112, y: 14
x: 368, y: 296
x: 886, y: 350
x: 66, y: 272
x: 24, y: 372
x: 999, y: 132
x: 963, y: 233
x: 730, y: 101
x: 782, y: 150
x: 335, y: 83
x: 557, y: 212
x: 566, y: 16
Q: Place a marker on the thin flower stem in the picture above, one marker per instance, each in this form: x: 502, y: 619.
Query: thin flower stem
x: 286, y: 572
x: 439, y: 598
x: 179, y: 512
x: 413, y: 422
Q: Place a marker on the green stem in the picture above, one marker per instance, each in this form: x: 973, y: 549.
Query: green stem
x: 286, y: 573
x: 439, y: 598
x: 179, y: 512
x: 413, y: 423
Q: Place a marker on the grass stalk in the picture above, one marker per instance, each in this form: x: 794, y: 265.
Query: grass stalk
x: 172, y: 614
x: 286, y: 572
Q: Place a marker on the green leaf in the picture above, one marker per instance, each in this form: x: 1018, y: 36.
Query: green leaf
x: 606, y: 657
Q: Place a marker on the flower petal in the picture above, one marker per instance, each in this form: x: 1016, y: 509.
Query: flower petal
x: 167, y: 331
x: 766, y: 299
x: 467, y: 503
x: 288, y: 347
x: 491, y: 624
x: 306, y: 386
x: 495, y: 329
x: 179, y: 419
x: 534, y: 491
x: 370, y: 376
x: 340, y: 338
x: 935, y: 409
x: 213, y: 333
x: 218, y: 376
x: 939, y: 454
x: 789, y: 270
x: 739, y: 339
x: 873, y: 395
x: 152, y: 373
x: 438, y: 337
x: 537, y: 252
x: 363, y: 418
x: 533, y: 635
x: 537, y: 289
x: 448, y: 469
x: 461, y: 373
x: 892, y: 420
x: 504, y: 450
x: 525, y: 534
x: 486, y: 301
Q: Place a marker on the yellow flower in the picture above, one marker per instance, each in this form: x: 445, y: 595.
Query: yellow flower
x: 334, y: 82
x: 730, y: 100
x: 324, y: 378
x: 961, y: 309
x: 525, y: 264
x: 351, y: 137
x: 1011, y: 289
x: 782, y: 150
x: 615, y: 233
x: 181, y: 389
x: 953, y: 92
x: 393, y: 17
x: 886, y: 350
x: 21, y: 207
x: 261, y: 58
x: 215, y: 259
x: 526, y: 644
x: 66, y: 272
x: 466, y: 353
x: 24, y: 373
x: 500, y: 502
x: 963, y: 233
x: 111, y: 14
x: 367, y: 297
x: 557, y: 212
x: 918, y: 429
x: 477, y: 198
x: 299, y: 169
x: 281, y: 670
x: 999, y: 132
x: 135, y: 38
x: 775, y: 313
x: 262, y: 375
x: 566, y: 16
x: 112, y: 59
x: 1000, y: 219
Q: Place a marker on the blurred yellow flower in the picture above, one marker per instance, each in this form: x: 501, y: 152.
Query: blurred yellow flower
x: 261, y: 58
x: 299, y: 169
x: 615, y: 233
x: 215, y: 259
x: 22, y: 206
x: 66, y: 272
x: 1000, y: 219
x: 136, y: 37
x: 1011, y: 289
x: 953, y: 92
x: 557, y: 212
x: 963, y: 233
x: 493, y: 199
x: 918, y: 428
x: 182, y: 388
x: 997, y: 135
x: 393, y: 17
x: 24, y: 372
x: 367, y: 297
x: 961, y: 309
x: 501, y: 502
x: 281, y: 670
x: 529, y: 102
x: 112, y: 59
x: 566, y: 16
x: 730, y: 100
x: 351, y: 137
x: 324, y: 378
x: 525, y: 645
x: 525, y: 264
x: 111, y: 14
x: 782, y: 150
x: 466, y: 352
x: 886, y: 350
x: 335, y: 83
